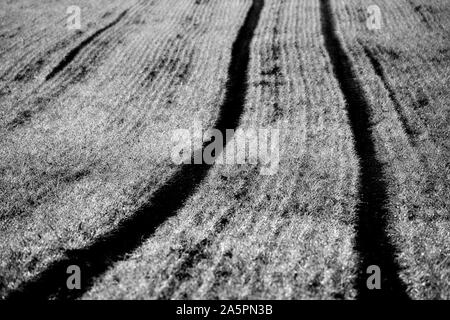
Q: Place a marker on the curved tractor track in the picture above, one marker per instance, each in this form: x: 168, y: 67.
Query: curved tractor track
x: 75, y: 51
x: 95, y: 259
x: 372, y: 242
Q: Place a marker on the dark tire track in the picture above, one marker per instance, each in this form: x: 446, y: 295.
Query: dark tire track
x: 34, y: 67
x: 96, y: 258
x: 372, y: 242
x: 75, y: 51
x: 379, y: 71
x: 40, y: 98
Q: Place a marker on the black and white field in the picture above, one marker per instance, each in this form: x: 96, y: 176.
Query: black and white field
x: 87, y: 118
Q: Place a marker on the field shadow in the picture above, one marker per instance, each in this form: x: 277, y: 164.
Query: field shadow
x: 112, y: 247
x: 372, y: 241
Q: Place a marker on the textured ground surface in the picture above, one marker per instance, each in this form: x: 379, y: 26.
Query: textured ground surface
x: 87, y: 117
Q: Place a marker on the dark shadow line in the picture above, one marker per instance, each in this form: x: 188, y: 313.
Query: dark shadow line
x: 379, y: 71
x: 372, y: 241
x: 75, y: 51
x: 96, y: 258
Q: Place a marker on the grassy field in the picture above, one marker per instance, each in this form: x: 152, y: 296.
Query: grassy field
x: 406, y: 72
x: 98, y: 145
x: 87, y: 117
